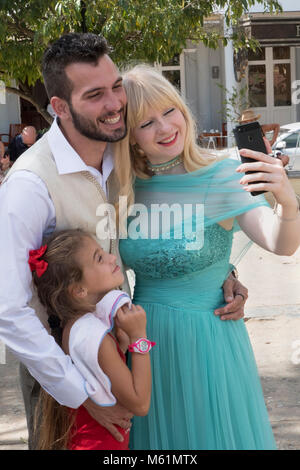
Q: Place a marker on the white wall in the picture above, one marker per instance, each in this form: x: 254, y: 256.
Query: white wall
x: 202, y: 93
x: 9, y: 112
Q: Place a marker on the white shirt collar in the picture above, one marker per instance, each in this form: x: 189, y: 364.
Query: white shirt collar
x: 67, y: 159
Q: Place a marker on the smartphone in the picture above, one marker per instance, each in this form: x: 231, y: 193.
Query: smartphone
x: 250, y: 136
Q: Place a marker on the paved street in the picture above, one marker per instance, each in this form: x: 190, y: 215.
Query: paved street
x: 273, y: 310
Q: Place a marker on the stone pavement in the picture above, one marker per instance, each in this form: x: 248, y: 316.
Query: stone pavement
x: 273, y: 322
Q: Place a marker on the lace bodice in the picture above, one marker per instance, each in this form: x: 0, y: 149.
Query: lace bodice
x: 168, y: 259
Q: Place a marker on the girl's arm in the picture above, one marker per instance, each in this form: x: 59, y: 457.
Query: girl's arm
x: 276, y: 231
x: 131, y: 388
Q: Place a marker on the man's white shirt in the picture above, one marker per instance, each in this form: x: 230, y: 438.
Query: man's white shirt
x: 27, y: 215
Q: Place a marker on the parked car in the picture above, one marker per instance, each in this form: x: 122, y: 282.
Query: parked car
x: 288, y: 142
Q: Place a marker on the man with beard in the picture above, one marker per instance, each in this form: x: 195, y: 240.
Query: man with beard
x: 57, y: 184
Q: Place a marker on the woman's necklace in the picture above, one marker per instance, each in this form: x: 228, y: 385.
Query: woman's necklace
x: 164, y: 166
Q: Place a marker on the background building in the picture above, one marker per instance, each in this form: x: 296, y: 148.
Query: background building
x: 203, y: 74
x: 207, y: 77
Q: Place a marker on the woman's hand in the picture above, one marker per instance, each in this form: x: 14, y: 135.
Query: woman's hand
x: 270, y: 176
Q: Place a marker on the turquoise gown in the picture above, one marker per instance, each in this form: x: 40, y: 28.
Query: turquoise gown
x: 206, y: 392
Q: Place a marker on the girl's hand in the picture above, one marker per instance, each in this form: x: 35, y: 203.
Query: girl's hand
x: 132, y: 321
x: 123, y: 339
x: 272, y: 175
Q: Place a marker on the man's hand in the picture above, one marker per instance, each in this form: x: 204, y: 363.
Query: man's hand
x: 235, y: 294
x: 110, y: 416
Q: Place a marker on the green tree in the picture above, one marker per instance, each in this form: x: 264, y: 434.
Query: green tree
x: 137, y: 30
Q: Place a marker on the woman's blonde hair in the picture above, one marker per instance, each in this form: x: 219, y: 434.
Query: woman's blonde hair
x: 146, y: 88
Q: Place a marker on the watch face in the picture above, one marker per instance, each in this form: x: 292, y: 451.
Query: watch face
x: 143, y: 345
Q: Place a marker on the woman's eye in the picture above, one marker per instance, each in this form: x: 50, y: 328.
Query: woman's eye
x: 169, y: 111
x: 99, y: 258
x: 146, y: 124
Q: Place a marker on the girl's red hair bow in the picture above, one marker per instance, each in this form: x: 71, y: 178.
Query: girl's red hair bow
x: 36, y: 264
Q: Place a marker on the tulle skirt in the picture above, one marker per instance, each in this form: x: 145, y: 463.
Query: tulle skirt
x: 206, y: 392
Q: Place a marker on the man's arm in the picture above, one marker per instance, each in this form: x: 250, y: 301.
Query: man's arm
x: 25, y: 217
x: 275, y: 128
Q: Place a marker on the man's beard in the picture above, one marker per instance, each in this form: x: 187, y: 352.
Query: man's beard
x: 90, y: 130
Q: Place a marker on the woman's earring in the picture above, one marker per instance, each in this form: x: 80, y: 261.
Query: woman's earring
x: 138, y: 150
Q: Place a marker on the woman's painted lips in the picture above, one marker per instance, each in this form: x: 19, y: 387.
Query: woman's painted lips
x: 169, y: 141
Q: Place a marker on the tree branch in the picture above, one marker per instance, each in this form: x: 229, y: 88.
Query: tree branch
x: 29, y: 98
x: 16, y: 25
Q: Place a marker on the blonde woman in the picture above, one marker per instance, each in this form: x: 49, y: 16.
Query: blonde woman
x: 206, y: 389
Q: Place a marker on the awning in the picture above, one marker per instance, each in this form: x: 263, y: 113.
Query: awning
x: 274, y: 30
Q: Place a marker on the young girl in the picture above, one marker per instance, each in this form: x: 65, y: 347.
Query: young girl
x: 76, y: 282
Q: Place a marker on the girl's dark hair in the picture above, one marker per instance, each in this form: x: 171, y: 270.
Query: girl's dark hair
x: 63, y: 270
x: 69, y: 49
x: 54, y: 421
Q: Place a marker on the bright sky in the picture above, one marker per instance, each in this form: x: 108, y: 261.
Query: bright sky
x: 287, y: 5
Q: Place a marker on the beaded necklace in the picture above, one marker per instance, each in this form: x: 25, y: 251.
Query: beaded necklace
x: 164, y: 166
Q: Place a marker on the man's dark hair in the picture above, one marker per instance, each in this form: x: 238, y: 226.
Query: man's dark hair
x: 69, y: 49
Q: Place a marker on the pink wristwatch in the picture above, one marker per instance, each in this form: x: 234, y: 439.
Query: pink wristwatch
x: 142, y: 346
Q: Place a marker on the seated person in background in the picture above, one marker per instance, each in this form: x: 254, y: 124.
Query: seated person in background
x: 22, y: 142
x: 4, y: 162
x: 248, y: 115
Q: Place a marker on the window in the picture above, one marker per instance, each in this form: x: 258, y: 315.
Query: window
x: 270, y: 77
x: 281, y: 53
x: 174, y: 71
x: 174, y: 77
x: 282, y: 84
x: 291, y: 140
x: 259, y: 54
x: 257, y: 85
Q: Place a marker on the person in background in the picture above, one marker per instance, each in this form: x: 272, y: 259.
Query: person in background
x: 248, y: 115
x: 22, y: 142
x: 4, y: 162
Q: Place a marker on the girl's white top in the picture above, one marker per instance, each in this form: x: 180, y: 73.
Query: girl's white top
x: 85, y: 339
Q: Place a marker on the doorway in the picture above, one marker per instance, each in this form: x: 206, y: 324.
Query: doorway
x: 271, y: 72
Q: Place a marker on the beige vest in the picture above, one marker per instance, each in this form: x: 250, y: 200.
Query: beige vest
x: 76, y: 197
